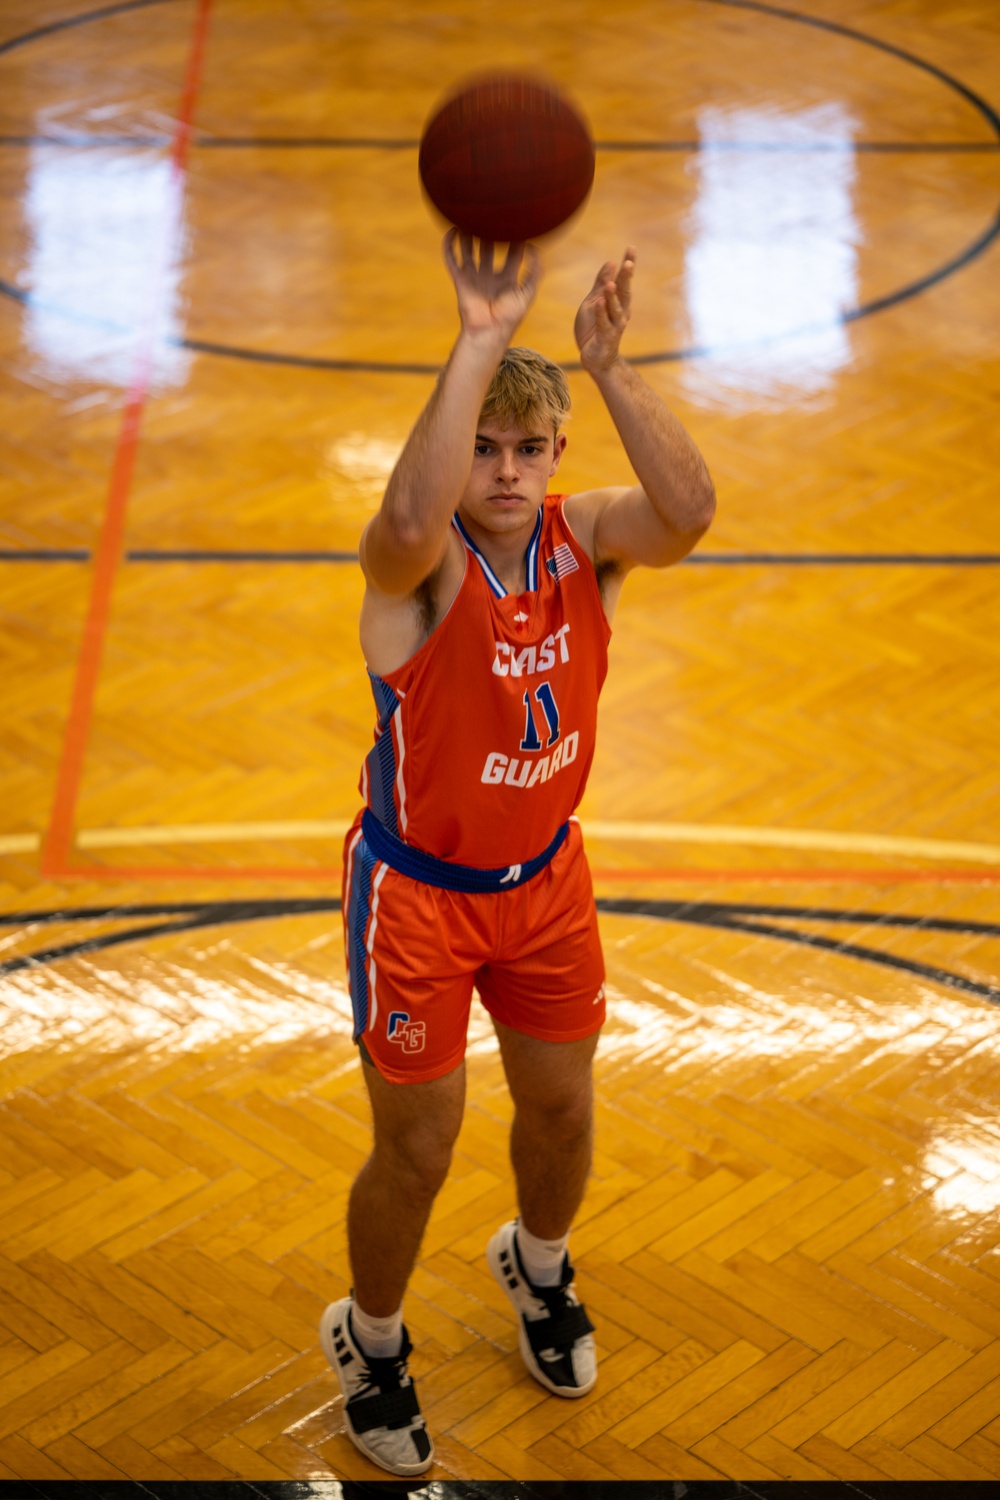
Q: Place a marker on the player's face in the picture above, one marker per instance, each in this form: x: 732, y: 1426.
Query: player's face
x: 511, y: 469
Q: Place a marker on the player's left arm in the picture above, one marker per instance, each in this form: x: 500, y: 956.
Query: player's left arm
x: 659, y: 520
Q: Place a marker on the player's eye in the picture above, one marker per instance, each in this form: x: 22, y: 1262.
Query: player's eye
x: 531, y: 449
x: 481, y: 449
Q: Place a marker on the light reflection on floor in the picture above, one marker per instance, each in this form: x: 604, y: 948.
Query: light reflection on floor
x: 168, y: 1006
x: 710, y: 1013
x: 99, y: 237
x: 772, y: 252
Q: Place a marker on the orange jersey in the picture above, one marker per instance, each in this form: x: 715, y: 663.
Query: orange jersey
x: 485, y: 736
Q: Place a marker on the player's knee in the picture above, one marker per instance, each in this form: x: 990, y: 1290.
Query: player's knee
x: 565, y: 1116
x: 419, y: 1160
x: 419, y: 1179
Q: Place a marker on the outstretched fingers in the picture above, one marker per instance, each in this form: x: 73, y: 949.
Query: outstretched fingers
x: 615, y: 305
x: 606, y: 271
x: 515, y: 259
x: 623, y: 280
x: 454, y: 241
x: 603, y: 318
x: 618, y: 290
x: 464, y: 255
x: 532, y: 264
x: 448, y: 247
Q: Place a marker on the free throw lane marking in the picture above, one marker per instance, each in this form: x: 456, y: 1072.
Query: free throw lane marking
x: 59, y: 837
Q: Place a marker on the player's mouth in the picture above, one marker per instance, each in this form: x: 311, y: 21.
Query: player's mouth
x: 507, y: 499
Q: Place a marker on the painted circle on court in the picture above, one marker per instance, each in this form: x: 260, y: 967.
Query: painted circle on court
x: 954, y: 263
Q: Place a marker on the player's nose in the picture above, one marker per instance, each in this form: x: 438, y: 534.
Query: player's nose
x: 507, y: 465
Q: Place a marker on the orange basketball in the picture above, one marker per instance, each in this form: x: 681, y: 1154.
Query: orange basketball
x: 507, y: 158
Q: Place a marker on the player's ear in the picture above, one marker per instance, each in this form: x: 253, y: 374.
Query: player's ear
x: 558, y: 449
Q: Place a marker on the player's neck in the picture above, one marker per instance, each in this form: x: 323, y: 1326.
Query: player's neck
x: 505, y: 551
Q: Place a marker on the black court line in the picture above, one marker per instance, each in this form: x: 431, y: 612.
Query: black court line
x: 866, y: 39
x: 91, y: 15
x: 876, y: 305
x: 744, y: 917
x: 845, y: 559
x: 703, y: 559
x: 801, y: 148
x: 150, y: 555
x: 279, y: 906
x: 924, y: 283
x: 90, y: 142
x: 728, y: 919
x: 45, y: 554
x: 305, y: 361
x: 80, y: 142
x: 700, y: 559
x: 285, y: 906
x: 188, y: 916
x: 860, y: 916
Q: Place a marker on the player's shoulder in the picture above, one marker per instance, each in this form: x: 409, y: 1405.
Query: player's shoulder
x: 582, y: 511
x: 395, y: 627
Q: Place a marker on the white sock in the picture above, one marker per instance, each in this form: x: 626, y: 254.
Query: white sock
x: 542, y: 1259
x: 380, y: 1338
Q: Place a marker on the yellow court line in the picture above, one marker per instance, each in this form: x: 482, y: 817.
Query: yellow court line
x: 796, y: 838
x: 809, y: 839
x: 209, y: 833
x: 20, y: 843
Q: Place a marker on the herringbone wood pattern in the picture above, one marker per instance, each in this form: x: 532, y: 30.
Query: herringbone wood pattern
x: 788, y: 1246
x: 791, y: 1242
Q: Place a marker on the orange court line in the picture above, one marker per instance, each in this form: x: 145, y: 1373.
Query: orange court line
x: 205, y: 872
x: 827, y: 877
x: 59, y: 836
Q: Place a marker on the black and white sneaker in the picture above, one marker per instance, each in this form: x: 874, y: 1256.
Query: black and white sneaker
x: 380, y: 1401
x: 556, y: 1335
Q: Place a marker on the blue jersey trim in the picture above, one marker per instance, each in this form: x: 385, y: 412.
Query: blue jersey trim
x: 531, y: 560
x: 385, y: 699
x: 382, y: 766
x: 531, y: 557
x: 442, y: 872
x: 358, y: 912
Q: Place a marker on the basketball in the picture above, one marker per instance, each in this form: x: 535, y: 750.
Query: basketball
x: 507, y: 158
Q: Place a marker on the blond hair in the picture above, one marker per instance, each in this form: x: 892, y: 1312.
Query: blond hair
x: 527, y: 390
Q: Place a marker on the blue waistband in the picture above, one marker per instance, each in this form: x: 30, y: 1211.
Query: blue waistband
x: 441, y: 872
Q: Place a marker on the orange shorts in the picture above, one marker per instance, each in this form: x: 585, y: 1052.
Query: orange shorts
x: 415, y: 951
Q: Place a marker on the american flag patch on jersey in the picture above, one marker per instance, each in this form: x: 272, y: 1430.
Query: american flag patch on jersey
x: 562, y: 562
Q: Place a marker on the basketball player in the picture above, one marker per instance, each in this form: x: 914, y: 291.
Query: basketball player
x: 485, y: 626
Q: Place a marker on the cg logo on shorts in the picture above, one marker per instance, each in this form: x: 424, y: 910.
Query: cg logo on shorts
x: 410, y: 1034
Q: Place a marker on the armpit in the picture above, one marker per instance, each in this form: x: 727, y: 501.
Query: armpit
x: 425, y: 603
x: 608, y: 572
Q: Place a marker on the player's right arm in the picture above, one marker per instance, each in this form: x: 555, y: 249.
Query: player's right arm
x: 405, y: 543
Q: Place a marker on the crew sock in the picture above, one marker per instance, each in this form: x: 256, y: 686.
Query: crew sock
x: 380, y: 1338
x: 542, y: 1259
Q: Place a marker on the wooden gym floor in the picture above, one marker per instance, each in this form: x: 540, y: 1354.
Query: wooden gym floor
x: 221, y: 305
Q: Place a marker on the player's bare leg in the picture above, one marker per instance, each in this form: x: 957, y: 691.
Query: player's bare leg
x: 551, y: 1145
x: 363, y: 1337
x: 415, y: 1127
x: 551, y: 1139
